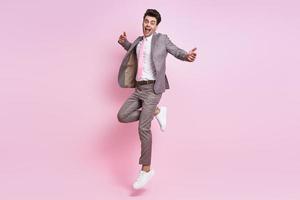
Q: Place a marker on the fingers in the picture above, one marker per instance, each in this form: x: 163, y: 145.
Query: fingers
x: 193, y: 51
x: 191, y: 57
x: 192, y: 54
x: 122, y: 37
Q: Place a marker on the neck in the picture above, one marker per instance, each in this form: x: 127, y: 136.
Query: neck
x: 149, y: 35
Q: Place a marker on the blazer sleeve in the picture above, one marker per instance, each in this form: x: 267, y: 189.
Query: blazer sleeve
x: 126, y: 45
x: 174, y: 50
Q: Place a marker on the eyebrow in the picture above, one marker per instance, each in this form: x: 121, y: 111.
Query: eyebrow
x: 150, y: 21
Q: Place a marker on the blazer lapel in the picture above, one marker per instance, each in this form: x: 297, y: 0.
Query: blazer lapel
x: 153, y: 43
x: 135, y: 43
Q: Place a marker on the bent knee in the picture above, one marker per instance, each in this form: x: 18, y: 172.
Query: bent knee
x: 121, y: 117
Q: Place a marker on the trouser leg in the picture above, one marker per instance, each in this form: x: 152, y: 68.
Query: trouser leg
x: 150, y: 101
x: 129, y: 110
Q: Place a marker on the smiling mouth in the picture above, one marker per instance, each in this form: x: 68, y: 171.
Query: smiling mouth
x: 147, y: 30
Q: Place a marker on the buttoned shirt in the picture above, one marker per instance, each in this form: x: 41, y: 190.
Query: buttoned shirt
x: 148, y: 72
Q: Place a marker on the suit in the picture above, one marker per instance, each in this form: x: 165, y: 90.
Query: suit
x: 145, y: 96
x: 161, y: 45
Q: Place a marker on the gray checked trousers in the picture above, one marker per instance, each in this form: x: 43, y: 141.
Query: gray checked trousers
x: 143, y: 97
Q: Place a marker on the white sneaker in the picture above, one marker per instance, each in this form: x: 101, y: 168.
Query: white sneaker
x: 143, y: 179
x: 162, y: 118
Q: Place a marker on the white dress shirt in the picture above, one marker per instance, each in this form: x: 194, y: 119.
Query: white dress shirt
x: 148, y: 66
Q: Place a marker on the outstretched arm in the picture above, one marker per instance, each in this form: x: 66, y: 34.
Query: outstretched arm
x: 124, y: 42
x: 180, y: 53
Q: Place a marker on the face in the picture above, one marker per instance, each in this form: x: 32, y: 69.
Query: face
x: 149, y: 26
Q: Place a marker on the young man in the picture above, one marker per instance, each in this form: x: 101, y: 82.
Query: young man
x: 143, y: 68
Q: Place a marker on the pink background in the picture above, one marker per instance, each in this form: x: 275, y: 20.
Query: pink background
x: 233, y: 123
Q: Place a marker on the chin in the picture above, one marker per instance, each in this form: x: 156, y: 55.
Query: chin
x: 145, y: 34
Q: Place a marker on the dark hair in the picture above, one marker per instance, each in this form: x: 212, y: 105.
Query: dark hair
x: 153, y: 13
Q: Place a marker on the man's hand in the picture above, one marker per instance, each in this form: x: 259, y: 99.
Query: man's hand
x: 122, y: 38
x: 191, y: 55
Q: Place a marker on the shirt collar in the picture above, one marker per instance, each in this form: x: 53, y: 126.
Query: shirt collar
x: 148, y: 38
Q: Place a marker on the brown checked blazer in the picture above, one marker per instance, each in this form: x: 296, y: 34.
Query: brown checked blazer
x: 161, y: 45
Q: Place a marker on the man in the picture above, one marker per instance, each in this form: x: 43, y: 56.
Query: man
x: 143, y: 68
